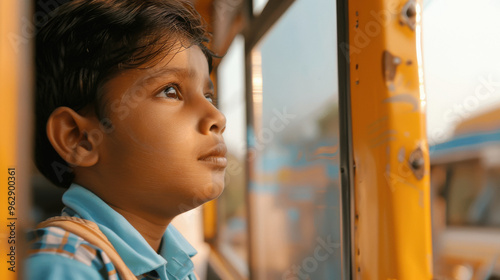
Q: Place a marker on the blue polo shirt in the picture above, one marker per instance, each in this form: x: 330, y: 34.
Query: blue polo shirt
x: 58, y: 254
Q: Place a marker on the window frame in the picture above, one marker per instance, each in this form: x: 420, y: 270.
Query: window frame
x: 253, y: 28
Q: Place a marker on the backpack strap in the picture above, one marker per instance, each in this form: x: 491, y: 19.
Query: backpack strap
x: 91, y: 233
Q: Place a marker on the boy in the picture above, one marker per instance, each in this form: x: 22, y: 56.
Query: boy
x: 126, y: 120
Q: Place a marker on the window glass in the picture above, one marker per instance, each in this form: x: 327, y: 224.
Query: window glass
x: 294, y: 147
x: 232, y: 226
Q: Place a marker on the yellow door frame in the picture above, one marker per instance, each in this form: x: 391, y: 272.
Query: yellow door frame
x: 16, y: 34
x: 392, y: 220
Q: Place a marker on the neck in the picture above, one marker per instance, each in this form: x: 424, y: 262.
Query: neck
x: 150, y: 230
x: 150, y: 226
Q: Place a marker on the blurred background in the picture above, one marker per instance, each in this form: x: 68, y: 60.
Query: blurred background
x: 460, y: 43
x: 278, y: 86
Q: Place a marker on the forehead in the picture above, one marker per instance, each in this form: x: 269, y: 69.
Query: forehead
x: 183, y: 62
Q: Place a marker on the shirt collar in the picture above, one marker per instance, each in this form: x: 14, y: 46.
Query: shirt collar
x: 175, y: 251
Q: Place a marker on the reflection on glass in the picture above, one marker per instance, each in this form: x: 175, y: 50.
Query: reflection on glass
x: 257, y: 90
x: 293, y: 146
x: 232, y: 238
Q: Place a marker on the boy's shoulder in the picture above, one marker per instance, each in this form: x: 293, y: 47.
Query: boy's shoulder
x: 64, y: 248
x: 52, y: 248
x: 55, y: 253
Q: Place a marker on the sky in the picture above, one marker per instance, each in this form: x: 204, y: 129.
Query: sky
x: 461, y: 56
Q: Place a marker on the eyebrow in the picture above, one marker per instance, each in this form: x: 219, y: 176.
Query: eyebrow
x: 179, y: 72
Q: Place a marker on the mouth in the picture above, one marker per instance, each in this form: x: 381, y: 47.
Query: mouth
x: 216, y: 156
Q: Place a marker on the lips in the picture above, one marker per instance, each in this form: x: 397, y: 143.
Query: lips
x: 216, y: 156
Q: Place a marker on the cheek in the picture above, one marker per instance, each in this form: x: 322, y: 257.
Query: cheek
x: 156, y: 132
x: 153, y: 145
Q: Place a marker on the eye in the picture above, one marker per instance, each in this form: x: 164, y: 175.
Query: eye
x: 210, y: 97
x: 170, y: 92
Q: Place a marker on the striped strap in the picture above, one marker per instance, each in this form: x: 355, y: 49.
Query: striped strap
x: 90, y: 232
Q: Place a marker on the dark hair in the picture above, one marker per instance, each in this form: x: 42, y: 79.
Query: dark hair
x: 86, y: 42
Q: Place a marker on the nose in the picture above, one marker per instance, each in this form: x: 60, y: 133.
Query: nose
x: 213, y: 120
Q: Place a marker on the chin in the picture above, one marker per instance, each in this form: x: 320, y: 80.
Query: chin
x: 215, y: 190
x: 211, y: 191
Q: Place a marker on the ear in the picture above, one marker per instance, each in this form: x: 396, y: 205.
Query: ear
x: 68, y: 132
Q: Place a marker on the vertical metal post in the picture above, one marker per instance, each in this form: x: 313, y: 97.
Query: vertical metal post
x: 346, y: 158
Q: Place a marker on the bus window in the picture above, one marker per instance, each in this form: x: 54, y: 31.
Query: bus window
x: 473, y: 195
x: 465, y: 184
x: 293, y: 147
x: 231, y: 207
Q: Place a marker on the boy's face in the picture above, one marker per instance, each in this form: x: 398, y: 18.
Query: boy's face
x: 165, y: 153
